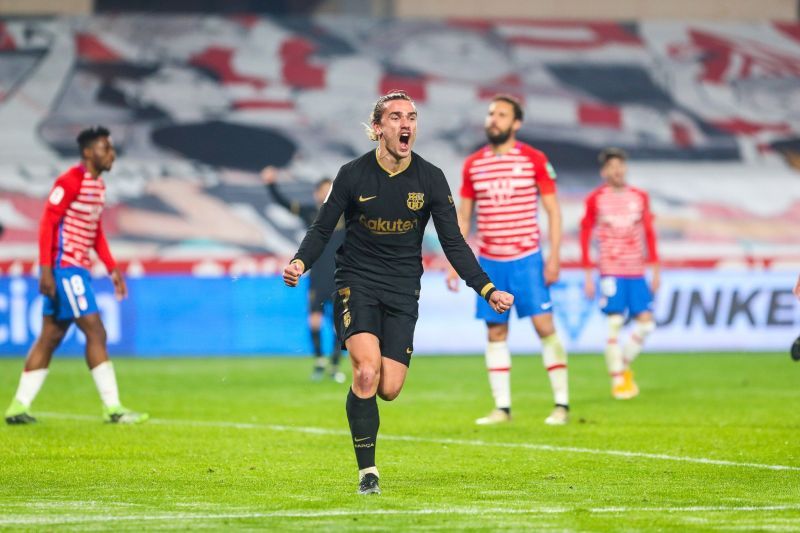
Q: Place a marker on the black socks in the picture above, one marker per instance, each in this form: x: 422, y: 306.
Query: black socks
x: 362, y: 414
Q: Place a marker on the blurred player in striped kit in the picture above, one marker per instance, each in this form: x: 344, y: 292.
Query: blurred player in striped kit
x: 504, y: 182
x: 69, y: 229
x: 620, y: 217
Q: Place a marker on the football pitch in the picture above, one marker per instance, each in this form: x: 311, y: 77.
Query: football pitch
x: 711, y: 443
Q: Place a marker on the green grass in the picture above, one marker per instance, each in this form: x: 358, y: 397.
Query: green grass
x: 289, y: 465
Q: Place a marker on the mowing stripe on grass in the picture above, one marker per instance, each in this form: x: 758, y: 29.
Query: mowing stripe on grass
x: 463, y: 511
x: 459, y: 442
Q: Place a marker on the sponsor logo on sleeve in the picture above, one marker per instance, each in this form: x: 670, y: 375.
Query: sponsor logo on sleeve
x: 550, y: 171
x: 56, y: 195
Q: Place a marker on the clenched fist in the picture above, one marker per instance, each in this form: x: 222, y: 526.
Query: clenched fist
x: 501, y: 301
x: 292, y: 273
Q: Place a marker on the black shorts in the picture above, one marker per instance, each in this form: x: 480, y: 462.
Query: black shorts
x: 389, y: 316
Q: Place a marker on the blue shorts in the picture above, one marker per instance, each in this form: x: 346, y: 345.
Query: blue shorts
x: 618, y: 295
x: 524, y: 278
x: 74, y: 295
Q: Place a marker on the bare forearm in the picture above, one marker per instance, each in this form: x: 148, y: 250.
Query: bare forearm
x: 551, y: 207
x: 554, y: 233
x: 464, y: 227
x: 555, y: 243
x: 465, y: 217
x: 655, y: 268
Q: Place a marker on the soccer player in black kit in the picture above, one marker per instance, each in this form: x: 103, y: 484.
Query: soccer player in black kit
x: 387, y: 197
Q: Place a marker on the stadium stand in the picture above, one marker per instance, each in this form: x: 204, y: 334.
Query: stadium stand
x: 198, y: 113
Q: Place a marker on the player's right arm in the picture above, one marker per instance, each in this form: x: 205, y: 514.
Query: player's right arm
x: 320, y: 231
x: 586, y: 227
x: 64, y: 191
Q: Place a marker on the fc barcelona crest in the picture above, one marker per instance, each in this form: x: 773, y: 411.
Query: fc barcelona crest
x: 415, y: 200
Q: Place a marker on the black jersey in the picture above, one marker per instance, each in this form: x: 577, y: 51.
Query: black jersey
x: 385, y: 215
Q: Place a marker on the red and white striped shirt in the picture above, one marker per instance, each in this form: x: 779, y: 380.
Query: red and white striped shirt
x: 505, y: 189
x: 624, y: 225
x: 70, y: 225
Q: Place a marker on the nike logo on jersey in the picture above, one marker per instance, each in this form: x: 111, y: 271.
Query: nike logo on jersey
x: 409, y: 351
x: 366, y: 198
x: 546, y: 306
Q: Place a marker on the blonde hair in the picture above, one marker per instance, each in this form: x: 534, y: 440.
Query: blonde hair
x: 380, y: 107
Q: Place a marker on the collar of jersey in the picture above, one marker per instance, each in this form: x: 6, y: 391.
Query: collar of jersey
x: 84, y: 171
x: 491, y: 151
x: 391, y: 174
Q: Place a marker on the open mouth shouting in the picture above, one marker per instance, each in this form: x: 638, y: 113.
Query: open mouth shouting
x: 405, y: 139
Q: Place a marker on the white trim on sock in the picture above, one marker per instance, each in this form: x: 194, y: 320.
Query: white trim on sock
x: 106, y: 382
x: 30, y: 382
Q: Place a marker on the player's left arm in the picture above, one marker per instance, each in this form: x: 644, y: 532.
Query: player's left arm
x: 546, y: 182
x: 552, y: 267
x: 652, y: 249
x: 104, y: 253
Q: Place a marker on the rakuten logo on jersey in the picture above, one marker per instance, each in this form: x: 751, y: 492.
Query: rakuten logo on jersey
x: 380, y: 226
